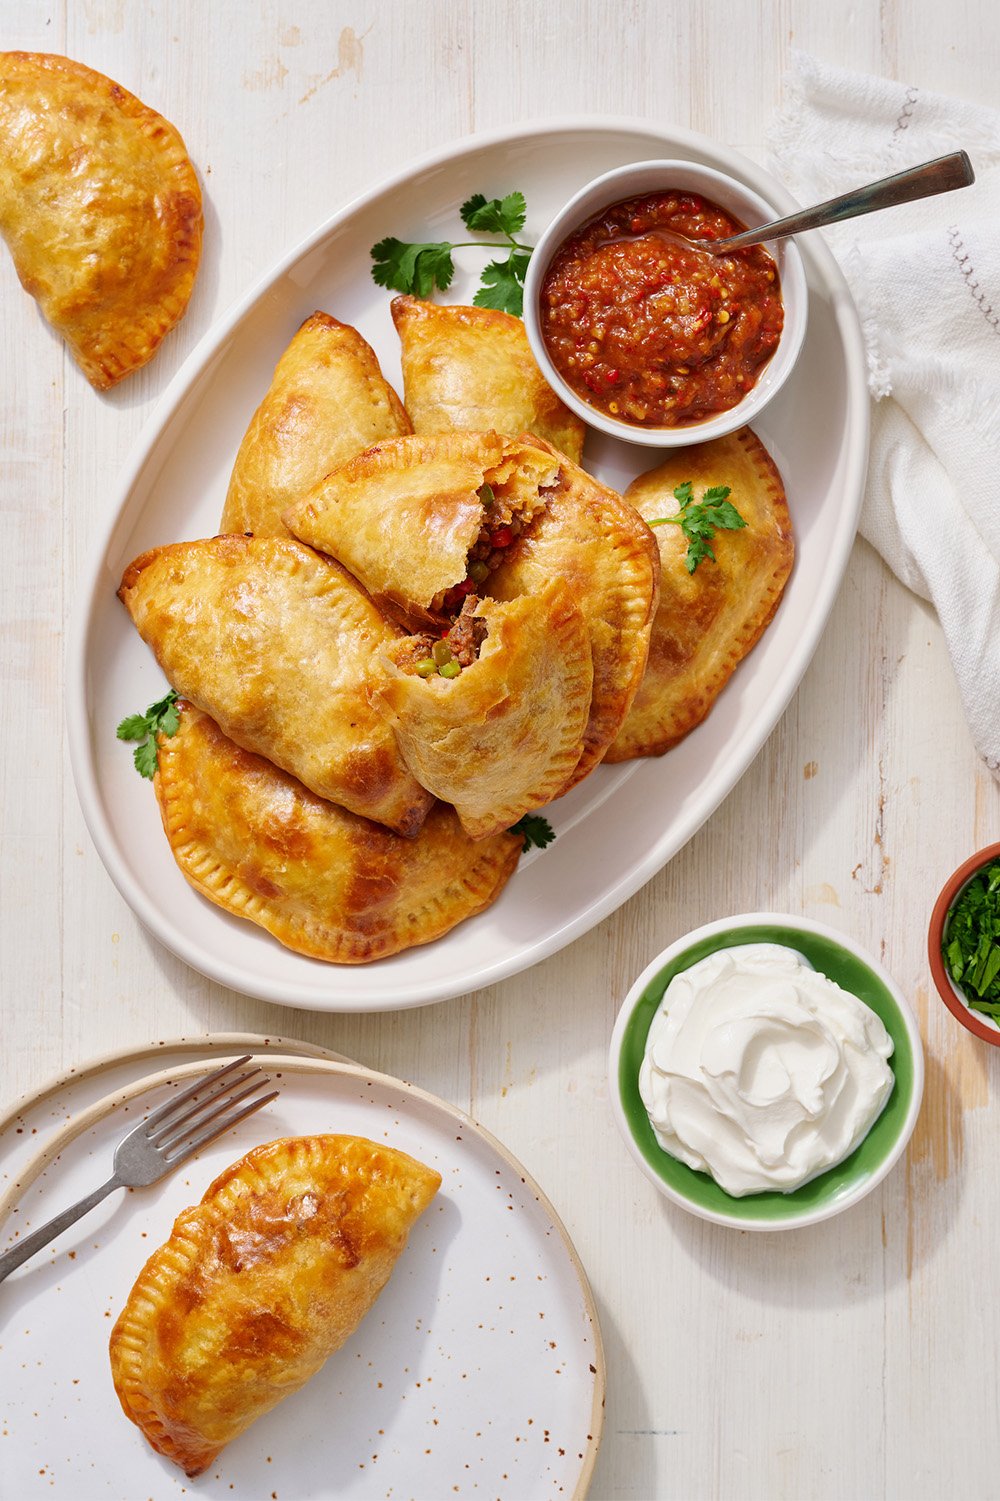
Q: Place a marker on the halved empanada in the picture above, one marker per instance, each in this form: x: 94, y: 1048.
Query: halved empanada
x: 406, y: 515
x: 607, y: 555
x: 504, y: 736
x: 259, y: 1284
x: 708, y: 620
x: 276, y: 643
x: 327, y: 401
x: 322, y: 881
x: 101, y: 209
x: 467, y: 369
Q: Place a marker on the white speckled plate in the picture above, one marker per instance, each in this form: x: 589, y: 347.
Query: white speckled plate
x: 478, y: 1373
x: 35, y: 1129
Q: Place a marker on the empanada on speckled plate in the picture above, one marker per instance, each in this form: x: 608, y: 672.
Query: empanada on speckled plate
x: 322, y: 881
x: 101, y: 210
x: 708, y: 620
x: 504, y: 736
x: 589, y: 537
x: 259, y: 1284
x: 471, y: 368
x: 405, y: 515
x: 277, y: 643
x: 328, y: 400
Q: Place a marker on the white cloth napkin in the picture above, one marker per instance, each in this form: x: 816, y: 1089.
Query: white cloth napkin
x: 926, y: 280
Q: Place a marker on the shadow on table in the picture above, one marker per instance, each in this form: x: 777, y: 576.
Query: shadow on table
x: 885, y: 1240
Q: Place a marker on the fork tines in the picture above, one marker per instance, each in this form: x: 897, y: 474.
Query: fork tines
x: 211, y: 1109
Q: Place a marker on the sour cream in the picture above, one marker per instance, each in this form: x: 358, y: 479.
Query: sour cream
x: 761, y: 1071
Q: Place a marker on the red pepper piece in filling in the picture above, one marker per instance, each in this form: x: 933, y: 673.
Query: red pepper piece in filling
x: 502, y: 537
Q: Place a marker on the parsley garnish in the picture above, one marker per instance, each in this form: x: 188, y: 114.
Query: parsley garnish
x: 534, y: 830
x: 971, y: 941
x: 162, y: 716
x: 699, y: 521
x: 420, y: 266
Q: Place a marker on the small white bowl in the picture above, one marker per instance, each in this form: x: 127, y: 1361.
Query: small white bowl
x: 730, y: 194
x: 842, y: 960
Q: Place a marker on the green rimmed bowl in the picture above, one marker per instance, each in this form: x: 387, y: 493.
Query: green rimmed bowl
x: 841, y: 960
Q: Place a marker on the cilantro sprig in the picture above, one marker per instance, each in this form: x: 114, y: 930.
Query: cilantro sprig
x: 534, y: 830
x: 699, y: 520
x: 420, y: 266
x: 162, y: 716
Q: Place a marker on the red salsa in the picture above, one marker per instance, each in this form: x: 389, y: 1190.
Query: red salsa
x: 651, y: 332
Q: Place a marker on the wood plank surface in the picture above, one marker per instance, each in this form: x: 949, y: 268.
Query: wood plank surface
x: 855, y: 1359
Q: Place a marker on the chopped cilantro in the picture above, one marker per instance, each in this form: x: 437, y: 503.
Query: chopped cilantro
x: 971, y: 941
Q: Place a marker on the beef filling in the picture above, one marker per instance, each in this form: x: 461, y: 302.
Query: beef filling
x: 429, y: 655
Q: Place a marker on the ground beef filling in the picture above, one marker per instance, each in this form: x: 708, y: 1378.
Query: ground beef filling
x: 446, y: 655
x: 504, y: 522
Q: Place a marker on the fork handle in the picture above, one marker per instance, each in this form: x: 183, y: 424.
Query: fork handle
x: 11, y: 1259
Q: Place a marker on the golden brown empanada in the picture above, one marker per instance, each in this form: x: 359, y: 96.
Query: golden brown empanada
x: 708, y: 620
x: 276, y: 643
x: 471, y: 368
x: 259, y: 1284
x: 504, y: 736
x: 101, y: 209
x: 327, y: 401
x: 405, y: 515
x: 325, y: 883
x: 607, y: 555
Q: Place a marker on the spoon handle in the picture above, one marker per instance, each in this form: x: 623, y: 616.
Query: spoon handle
x: 939, y: 176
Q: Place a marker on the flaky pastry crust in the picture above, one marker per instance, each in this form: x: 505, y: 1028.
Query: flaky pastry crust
x: 100, y: 207
x: 708, y: 620
x: 323, y: 882
x: 327, y: 401
x: 470, y: 369
x: 607, y: 555
x: 505, y: 736
x: 259, y: 1284
x: 276, y: 644
x: 403, y: 515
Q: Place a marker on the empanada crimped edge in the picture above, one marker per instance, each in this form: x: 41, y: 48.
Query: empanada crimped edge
x: 327, y: 400
x: 502, y: 738
x: 356, y: 1177
x: 398, y: 894
x: 108, y: 340
x: 588, y: 523
x: 657, y: 721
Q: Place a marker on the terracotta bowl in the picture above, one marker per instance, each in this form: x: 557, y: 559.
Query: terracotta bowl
x: 979, y: 1025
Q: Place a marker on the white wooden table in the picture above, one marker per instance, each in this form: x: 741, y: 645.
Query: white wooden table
x: 858, y: 1359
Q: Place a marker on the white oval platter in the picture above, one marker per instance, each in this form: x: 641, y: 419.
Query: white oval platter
x: 479, y: 1371
x: 623, y: 823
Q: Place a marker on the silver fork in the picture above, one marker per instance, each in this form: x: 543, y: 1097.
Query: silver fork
x: 160, y: 1143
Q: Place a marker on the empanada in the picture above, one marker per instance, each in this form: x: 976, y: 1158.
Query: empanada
x: 607, y: 555
x: 276, y: 643
x: 325, y: 883
x: 504, y: 735
x: 407, y: 516
x: 101, y: 209
x: 708, y: 620
x: 327, y: 401
x: 259, y: 1284
x: 469, y: 369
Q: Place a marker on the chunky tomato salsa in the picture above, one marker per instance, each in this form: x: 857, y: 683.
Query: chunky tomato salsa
x: 650, y: 331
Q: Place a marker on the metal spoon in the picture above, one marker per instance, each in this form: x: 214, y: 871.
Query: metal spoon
x: 939, y: 176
